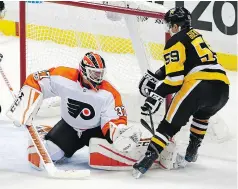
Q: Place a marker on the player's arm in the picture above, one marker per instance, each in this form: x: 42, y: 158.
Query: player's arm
x: 41, y: 80
x: 114, y: 124
x: 36, y: 87
x: 174, y: 68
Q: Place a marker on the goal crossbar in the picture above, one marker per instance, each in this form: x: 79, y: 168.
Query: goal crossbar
x: 117, y: 9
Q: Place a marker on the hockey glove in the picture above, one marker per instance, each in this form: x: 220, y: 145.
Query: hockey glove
x: 148, y: 83
x: 124, y: 137
x: 153, y: 103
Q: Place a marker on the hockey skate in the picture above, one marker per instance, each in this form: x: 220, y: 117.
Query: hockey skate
x: 192, y: 149
x: 180, y: 162
x: 144, y: 164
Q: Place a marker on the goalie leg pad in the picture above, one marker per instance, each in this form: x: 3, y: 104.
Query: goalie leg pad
x: 54, y: 151
x: 104, y: 156
x: 33, y: 157
x: 167, y: 158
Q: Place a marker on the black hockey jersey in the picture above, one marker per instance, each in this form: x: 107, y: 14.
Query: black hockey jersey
x: 189, y: 57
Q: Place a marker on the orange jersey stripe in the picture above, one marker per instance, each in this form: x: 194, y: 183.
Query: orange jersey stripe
x: 30, y: 81
x: 118, y: 103
x: 116, y: 95
x: 69, y: 73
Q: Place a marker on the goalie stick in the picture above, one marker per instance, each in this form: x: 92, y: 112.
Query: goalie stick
x: 40, y: 147
x: 5, y: 78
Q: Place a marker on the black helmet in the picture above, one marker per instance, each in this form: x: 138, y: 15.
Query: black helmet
x: 2, y: 6
x: 179, y: 16
x: 2, y: 9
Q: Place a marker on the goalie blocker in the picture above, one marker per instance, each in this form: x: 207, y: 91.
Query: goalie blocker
x: 25, y: 106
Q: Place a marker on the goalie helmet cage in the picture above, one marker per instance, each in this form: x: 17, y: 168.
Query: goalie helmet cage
x: 122, y: 39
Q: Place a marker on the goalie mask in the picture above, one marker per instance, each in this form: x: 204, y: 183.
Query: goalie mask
x: 93, y: 69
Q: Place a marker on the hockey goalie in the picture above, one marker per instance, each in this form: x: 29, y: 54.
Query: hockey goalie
x: 92, y: 114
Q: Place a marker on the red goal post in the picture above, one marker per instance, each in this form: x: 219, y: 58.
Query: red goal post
x: 32, y: 30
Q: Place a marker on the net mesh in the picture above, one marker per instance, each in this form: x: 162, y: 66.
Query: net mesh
x: 64, y: 34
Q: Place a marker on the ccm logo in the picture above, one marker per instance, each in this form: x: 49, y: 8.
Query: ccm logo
x: 17, y: 102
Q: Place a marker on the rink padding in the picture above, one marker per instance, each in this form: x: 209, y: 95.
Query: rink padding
x: 87, y: 40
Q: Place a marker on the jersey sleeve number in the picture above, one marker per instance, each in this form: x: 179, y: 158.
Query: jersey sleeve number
x: 121, y: 111
x: 203, y: 50
x: 172, y: 56
x: 41, y: 74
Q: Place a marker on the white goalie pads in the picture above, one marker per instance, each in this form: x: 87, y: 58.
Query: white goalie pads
x: 167, y: 158
x: 25, y: 106
x: 104, y: 156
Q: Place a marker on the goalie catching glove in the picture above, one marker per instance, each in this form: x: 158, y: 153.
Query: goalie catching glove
x: 152, y: 103
x: 124, y: 137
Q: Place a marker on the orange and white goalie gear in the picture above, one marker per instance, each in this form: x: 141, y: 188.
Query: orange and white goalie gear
x: 124, y: 137
x: 25, y: 106
x: 54, y: 151
x: 104, y: 156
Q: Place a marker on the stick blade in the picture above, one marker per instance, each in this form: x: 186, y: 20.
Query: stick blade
x: 146, y: 125
x: 70, y: 174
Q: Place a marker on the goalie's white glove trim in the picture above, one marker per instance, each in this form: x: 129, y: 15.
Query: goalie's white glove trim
x: 124, y: 137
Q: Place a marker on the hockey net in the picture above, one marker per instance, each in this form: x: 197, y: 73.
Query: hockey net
x: 130, y: 37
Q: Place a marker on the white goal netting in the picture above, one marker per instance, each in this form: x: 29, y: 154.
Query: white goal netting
x: 128, y: 43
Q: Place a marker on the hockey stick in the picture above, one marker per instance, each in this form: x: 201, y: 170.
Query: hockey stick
x: 41, y: 150
x: 146, y: 125
x: 5, y: 78
x: 48, y: 163
x: 151, y: 122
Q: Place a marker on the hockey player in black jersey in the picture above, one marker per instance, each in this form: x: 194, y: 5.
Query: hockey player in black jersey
x: 199, y: 82
x: 2, y: 9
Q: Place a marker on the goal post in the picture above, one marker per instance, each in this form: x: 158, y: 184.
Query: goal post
x: 129, y: 35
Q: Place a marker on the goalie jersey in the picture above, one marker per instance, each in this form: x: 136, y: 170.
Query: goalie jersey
x: 188, y: 57
x: 81, y: 108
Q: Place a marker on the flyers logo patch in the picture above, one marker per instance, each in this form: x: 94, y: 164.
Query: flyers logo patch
x: 77, y: 108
